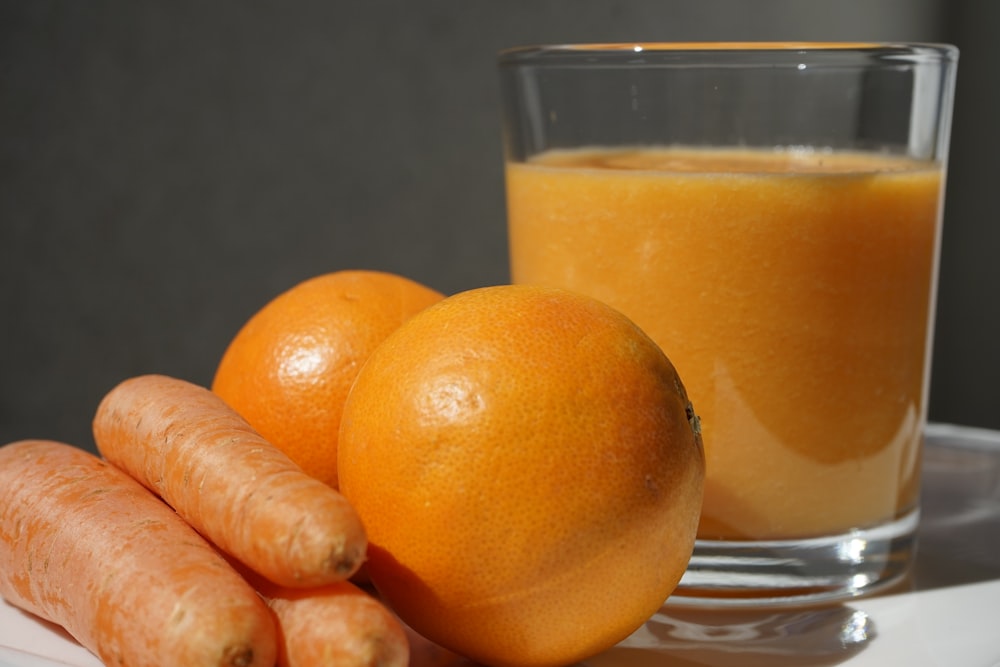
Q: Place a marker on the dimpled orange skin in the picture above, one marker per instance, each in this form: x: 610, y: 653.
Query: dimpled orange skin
x: 529, y: 471
x: 289, y: 368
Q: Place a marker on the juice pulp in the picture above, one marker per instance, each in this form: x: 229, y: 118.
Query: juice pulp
x: 792, y: 290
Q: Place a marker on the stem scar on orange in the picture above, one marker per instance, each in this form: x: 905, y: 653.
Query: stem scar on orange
x: 529, y: 471
x: 289, y: 368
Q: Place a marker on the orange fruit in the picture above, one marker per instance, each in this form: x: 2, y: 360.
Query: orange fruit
x: 289, y: 368
x: 529, y: 471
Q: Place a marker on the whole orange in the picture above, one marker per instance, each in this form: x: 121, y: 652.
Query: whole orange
x: 529, y: 471
x: 289, y: 368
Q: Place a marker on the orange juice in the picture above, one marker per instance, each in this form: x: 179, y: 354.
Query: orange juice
x: 793, y: 291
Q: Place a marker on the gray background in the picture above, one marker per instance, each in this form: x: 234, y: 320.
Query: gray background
x: 168, y: 167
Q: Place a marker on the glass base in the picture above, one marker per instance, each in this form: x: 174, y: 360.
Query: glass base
x: 798, y: 572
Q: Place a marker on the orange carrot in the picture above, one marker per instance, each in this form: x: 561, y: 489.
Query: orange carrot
x: 337, y: 624
x: 85, y: 546
x: 185, y: 444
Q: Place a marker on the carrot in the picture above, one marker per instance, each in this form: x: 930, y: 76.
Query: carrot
x: 186, y: 445
x: 337, y: 624
x: 85, y: 546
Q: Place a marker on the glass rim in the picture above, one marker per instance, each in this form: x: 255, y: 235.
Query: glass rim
x: 722, y: 53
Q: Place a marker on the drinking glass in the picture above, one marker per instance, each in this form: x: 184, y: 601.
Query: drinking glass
x: 770, y: 214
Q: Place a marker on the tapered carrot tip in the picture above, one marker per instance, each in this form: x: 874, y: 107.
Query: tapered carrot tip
x: 247, y: 497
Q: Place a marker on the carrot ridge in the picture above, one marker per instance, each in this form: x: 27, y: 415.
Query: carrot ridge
x: 85, y: 546
x: 189, y: 447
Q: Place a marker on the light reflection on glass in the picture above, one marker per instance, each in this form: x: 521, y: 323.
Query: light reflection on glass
x: 747, y: 638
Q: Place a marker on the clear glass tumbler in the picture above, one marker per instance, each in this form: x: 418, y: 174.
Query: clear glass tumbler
x: 770, y: 214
